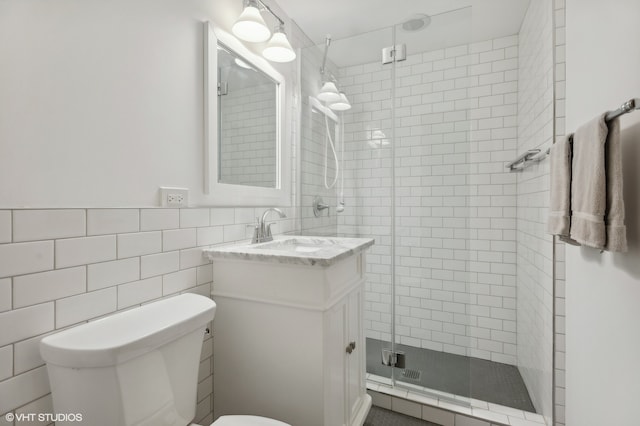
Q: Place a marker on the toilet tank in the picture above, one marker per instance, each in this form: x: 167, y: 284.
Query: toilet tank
x: 138, y: 367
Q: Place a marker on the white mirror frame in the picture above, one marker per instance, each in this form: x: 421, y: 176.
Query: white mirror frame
x: 222, y: 194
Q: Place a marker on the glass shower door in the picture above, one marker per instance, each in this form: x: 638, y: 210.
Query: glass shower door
x: 433, y: 208
x: 367, y: 173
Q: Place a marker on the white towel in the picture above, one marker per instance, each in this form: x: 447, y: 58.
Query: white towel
x: 559, y: 222
x: 596, y: 187
x: 588, y: 184
x: 614, y: 216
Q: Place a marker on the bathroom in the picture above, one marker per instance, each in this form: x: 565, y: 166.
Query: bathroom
x: 102, y: 104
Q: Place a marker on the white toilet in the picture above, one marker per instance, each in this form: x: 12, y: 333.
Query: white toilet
x: 135, y: 368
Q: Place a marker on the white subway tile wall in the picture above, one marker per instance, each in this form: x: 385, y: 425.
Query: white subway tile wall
x: 456, y: 127
x: 158, y: 219
x: 313, y: 145
x: 25, y: 258
x: 159, y: 264
x: 83, y: 307
x: 32, y: 225
x: 107, y: 274
x: 94, y: 276
x: 45, y: 286
x: 23, y: 388
x: 192, y: 218
x: 6, y: 362
x: 139, y: 243
x: 23, y: 323
x: 27, y: 354
x: 85, y: 250
x: 111, y: 221
x: 178, y: 239
x: 5, y: 226
x: 41, y: 405
x: 559, y: 300
x: 138, y: 292
x: 5, y: 294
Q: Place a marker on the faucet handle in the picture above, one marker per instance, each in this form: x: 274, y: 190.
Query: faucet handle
x: 256, y: 231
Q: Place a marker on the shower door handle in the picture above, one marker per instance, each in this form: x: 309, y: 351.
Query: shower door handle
x: 350, y: 347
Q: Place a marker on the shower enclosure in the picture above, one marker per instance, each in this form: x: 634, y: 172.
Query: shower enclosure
x: 458, y: 299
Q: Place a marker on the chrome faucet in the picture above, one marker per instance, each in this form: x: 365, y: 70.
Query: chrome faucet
x: 262, y: 232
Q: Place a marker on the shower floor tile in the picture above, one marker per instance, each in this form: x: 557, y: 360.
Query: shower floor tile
x: 381, y: 417
x: 460, y: 375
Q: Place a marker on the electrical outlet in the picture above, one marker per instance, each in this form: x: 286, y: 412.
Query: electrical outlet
x: 174, y: 197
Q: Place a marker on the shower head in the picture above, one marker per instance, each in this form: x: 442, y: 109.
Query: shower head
x: 416, y: 22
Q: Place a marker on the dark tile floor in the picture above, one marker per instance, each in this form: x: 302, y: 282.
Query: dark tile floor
x: 461, y: 375
x: 381, y: 417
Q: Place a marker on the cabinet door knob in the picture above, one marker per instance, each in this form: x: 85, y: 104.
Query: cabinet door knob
x: 351, y: 347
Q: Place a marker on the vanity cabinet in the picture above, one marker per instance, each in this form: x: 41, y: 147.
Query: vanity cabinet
x: 288, y: 339
x: 346, y: 344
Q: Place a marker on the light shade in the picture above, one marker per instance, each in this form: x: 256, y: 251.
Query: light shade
x: 341, y: 105
x: 250, y: 26
x: 279, y: 49
x: 329, y: 93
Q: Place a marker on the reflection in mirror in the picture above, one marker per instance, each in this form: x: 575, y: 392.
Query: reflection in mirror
x: 247, y: 130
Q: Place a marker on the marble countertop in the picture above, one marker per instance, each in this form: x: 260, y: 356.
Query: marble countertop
x: 293, y: 249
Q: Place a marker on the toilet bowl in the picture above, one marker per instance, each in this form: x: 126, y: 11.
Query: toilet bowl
x: 245, y: 421
x: 135, y: 368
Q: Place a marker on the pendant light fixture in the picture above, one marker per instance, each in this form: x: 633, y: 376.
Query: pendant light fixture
x: 250, y: 26
x: 329, y: 93
x: 342, y: 104
x: 279, y: 49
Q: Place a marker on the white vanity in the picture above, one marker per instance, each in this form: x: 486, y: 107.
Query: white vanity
x: 288, y: 333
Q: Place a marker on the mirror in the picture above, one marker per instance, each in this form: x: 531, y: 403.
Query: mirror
x: 247, y: 136
x: 247, y: 122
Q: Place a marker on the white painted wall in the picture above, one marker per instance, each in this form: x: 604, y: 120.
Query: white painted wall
x: 603, y: 290
x: 102, y: 102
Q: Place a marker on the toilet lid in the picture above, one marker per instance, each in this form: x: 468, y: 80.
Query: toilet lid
x: 247, y: 421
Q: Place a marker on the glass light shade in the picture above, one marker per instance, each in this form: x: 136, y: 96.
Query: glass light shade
x: 250, y: 26
x: 329, y: 93
x: 341, y: 105
x: 279, y: 49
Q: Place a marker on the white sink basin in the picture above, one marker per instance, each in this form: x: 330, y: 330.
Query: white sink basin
x: 321, y: 251
x: 297, y: 245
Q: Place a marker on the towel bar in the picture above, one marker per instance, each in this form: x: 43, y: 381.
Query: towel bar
x: 536, y: 155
